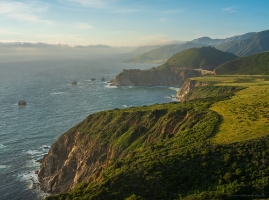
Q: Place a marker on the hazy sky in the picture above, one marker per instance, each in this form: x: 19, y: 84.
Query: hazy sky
x: 128, y: 22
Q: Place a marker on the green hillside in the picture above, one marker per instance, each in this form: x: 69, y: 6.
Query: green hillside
x: 206, y: 58
x: 184, y: 150
x: 257, y: 64
x: 258, y: 42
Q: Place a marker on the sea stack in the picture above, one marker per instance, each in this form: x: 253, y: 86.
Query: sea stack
x: 22, y: 103
x: 103, y: 79
x: 74, y: 82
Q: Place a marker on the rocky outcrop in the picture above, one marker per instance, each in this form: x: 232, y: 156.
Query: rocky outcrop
x: 186, y: 87
x: 74, y: 83
x: 22, y: 103
x: 173, y: 76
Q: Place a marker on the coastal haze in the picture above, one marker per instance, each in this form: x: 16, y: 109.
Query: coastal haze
x: 139, y: 60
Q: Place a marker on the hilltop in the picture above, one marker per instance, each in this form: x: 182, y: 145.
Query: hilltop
x: 206, y: 58
x: 257, y: 64
x: 177, y: 69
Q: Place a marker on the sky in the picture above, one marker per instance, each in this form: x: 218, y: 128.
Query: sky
x: 128, y: 22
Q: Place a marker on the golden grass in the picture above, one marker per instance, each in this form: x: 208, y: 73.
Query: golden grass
x: 246, y: 115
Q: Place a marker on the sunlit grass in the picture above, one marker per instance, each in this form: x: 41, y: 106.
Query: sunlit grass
x: 246, y: 115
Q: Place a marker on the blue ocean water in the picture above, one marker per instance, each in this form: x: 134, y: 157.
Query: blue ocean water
x: 53, y: 107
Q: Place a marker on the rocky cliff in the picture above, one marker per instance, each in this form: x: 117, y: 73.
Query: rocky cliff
x: 154, y: 77
x: 72, y: 158
x: 194, y: 88
x: 187, y: 87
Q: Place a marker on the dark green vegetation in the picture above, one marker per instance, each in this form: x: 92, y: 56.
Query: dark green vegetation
x: 211, y: 91
x: 206, y: 58
x: 166, y: 152
x: 258, y: 42
x: 249, y: 65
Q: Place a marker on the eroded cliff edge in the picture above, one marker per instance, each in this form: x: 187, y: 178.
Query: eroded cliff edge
x: 173, y: 76
x: 187, y: 87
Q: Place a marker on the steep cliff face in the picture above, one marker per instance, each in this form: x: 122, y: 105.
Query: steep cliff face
x: 72, y: 158
x: 154, y: 77
x: 195, y: 89
x: 187, y: 87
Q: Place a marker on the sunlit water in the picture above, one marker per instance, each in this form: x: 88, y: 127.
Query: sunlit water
x: 53, y: 107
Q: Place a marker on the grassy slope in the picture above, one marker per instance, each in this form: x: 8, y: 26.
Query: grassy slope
x: 212, y: 148
x: 250, y: 65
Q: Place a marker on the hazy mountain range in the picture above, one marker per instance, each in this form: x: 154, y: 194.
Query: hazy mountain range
x: 241, y: 45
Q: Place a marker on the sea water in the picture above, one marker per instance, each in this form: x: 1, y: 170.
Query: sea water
x: 53, y: 107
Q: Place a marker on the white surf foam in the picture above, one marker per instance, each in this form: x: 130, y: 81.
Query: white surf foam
x: 110, y: 86
x: 3, y: 166
x: 34, y: 152
x: 57, y: 93
x: 174, y: 88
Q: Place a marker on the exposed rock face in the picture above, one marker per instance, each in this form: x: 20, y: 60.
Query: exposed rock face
x: 72, y: 158
x: 186, y: 87
x: 174, y: 77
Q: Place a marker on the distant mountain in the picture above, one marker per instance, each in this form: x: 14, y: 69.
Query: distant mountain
x: 258, y: 42
x: 257, y: 64
x: 206, y: 58
x: 207, y: 40
x: 210, y: 41
x: 161, y: 54
x: 141, y: 50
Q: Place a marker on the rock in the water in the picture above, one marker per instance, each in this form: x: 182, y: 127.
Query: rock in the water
x: 103, y: 79
x: 22, y: 103
x: 74, y: 82
x: 93, y: 79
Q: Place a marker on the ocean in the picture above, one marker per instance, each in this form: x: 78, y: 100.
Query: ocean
x: 53, y: 107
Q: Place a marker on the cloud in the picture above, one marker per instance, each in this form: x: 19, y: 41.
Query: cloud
x: 125, y: 11
x: 162, y: 19
x: 9, y: 32
x: 91, y: 3
x: 172, y: 11
x: 22, y: 11
x: 82, y: 25
x: 229, y: 9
